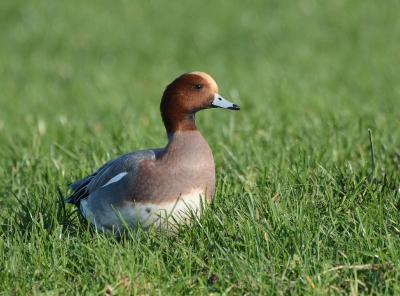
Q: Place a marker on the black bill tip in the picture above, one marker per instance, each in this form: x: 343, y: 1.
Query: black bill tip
x: 234, y: 107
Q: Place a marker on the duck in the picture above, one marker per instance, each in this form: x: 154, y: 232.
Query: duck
x: 162, y: 186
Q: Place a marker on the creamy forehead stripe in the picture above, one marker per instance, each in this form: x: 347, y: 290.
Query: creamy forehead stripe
x: 208, y: 78
x: 115, y: 179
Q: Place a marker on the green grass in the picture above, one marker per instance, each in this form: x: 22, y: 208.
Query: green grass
x: 298, y: 208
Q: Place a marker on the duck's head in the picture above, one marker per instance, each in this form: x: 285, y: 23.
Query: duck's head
x: 186, y: 95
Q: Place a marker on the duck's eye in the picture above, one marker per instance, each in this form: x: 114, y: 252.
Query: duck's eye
x: 198, y: 86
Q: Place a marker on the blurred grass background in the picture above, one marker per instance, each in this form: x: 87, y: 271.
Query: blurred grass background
x: 81, y: 83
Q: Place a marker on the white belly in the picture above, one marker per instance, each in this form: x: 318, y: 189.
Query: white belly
x: 164, y: 215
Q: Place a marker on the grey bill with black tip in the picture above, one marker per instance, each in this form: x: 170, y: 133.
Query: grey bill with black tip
x: 220, y: 102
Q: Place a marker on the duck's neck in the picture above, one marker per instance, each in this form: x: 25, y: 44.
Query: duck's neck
x: 182, y: 122
x: 185, y: 144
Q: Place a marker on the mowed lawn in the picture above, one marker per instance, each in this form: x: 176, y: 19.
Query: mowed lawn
x: 306, y: 203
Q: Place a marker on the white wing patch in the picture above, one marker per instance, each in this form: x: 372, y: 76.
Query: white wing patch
x: 115, y: 179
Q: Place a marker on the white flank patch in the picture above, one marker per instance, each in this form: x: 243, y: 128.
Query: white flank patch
x: 171, y: 212
x: 147, y: 214
x: 115, y: 179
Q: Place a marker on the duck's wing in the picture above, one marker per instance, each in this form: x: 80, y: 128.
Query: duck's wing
x: 108, y: 173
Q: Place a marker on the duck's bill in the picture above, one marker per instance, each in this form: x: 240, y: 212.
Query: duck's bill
x: 220, y: 102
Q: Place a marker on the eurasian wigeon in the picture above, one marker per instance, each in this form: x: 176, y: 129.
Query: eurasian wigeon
x: 152, y: 186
